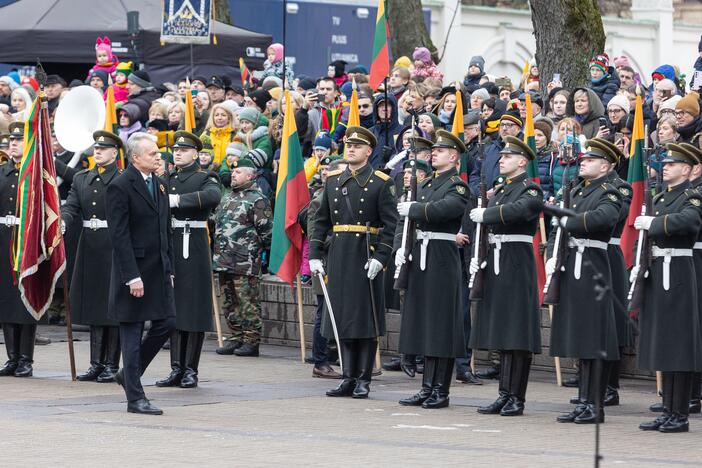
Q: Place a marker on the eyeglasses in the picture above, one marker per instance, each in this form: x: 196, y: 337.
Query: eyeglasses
x: 680, y: 113
x: 615, y: 111
x: 667, y: 111
x: 507, y: 124
x: 364, y: 106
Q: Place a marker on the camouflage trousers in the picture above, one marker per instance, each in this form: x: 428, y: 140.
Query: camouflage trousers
x: 242, y: 306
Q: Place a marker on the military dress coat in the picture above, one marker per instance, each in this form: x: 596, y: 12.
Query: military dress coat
x: 669, y: 323
x: 432, y: 313
x: 139, y: 226
x: 90, y: 281
x: 620, y: 275
x: 508, y: 317
x: 697, y: 252
x: 12, y: 309
x: 584, y: 327
x: 199, y: 195
x: 354, y: 198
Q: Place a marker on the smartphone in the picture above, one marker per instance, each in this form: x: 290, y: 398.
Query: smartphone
x: 618, y: 136
x: 603, y: 122
x: 556, y: 77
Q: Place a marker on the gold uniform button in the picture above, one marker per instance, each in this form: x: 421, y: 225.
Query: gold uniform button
x: 662, y: 199
x: 93, y: 216
x: 358, y: 235
x: 12, y: 186
x: 428, y: 185
x: 581, y: 193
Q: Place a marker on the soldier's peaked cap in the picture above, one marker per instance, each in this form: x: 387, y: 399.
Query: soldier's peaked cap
x: 183, y: 139
x: 16, y: 130
x: 693, y: 150
x: 361, y: 136
x: 514, y: 145
x: 677, y: 153
x: 105, y: 139
x: 446, y: 139
x: 596, y: 148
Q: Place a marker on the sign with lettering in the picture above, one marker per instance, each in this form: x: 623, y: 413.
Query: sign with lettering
x: 186, y: 21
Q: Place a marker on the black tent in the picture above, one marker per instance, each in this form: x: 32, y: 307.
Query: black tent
x: 62, y: 32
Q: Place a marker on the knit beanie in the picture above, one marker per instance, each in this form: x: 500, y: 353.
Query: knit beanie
x: 423, y: 54
x: 347, y: 90
x: 323, y: 141
x: 620, y: 100
x: 124, y: 67
x: 512, y: 116
x: 250, y: 114
x: 478, y: 61
x: 359, y: 69
x: 102, y: 74
x: 278, y: 50
x: 258, y: 157
x: 621, y: 61
x: 9, y: 82
x: 271, y: 82
x: 104, y: 44
x: 140, y: 78
x: 690, y: 104
x: 236, y: 149
x: 403, y: 62
x: 260, y: 97
x: 306, y: 83
x: 435, y: 120
x: 600, y: 61
x: 545, y: 126
x: 669, y: 104
x: 481, y: 93
x: 339, y: 67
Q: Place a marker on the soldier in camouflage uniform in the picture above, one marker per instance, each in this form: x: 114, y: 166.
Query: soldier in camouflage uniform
x: 244, y: 220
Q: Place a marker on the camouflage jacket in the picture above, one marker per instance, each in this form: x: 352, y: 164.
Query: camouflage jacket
x: 243, y: 231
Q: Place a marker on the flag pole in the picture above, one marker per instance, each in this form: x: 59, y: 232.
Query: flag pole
x: 300, y: 317
x: 69, y: 322
x: 215, y: 309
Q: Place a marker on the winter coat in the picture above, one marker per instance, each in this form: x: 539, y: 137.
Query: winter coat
x: 557, y: 176
x: 428, y: 71
x: 276, y: 69
x: 472, y: 82
x: 384, y: 133
x: 589, y: 122
x: 607, y: 86
x: 219, y: 139
x: 546, y: 160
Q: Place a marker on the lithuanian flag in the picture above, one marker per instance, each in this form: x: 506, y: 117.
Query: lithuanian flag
x: 533, y: 172
x: 291, y: 196
x: 244, y: 72
x: 380, y: 60
x: 111, y: 122
x: 637, y: 178
x: 189, y: 109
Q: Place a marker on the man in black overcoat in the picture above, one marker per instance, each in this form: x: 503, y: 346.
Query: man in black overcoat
x: 141, y: 281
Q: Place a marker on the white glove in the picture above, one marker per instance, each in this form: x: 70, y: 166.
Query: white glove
x: 63, y: 227
x: 316, y: 267
x: 634, y: 273
x: 173, y: 200
x: 643, y: 222
x: 474, y: 266
x: 563, y: 221
x: 400, y: 257
x: 373, y: 266
x: 551, y: 266
x: 396, y: 159
x: 476, y: 215
x: 404, y: 207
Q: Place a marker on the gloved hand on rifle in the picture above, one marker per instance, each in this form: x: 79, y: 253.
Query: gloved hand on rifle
x: 551, y: 266
x: 316, y: 267
x: 474, y: 266
x: 400, y: 257
x: 634, y: 273
x: 373, y: 266
x: 476, y: 215
x: 404, y: 207
x: 643, y: 222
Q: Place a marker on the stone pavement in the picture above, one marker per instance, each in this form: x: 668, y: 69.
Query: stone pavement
x: 270, y: 411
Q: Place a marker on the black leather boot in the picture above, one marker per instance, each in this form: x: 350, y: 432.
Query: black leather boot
x: 503, y: 396
x: 584, y: 375
x: 347, y: 350
x: 666, y: 405
x: 10, y: 332
x: 366, y: 355
x: 519, y: 379
x: 427, y: 384
x: 682, y: 389
x: 597, y: 386
x: 695, y: 404
x: 393, y: 364
x: 112, y: 354
x: 177, y: 355
x: 97, y: 343
x: 247, y: 350
x: 408, y: 364
x: 26, y: 351
x: 192, y: 359
x: 442, y: 383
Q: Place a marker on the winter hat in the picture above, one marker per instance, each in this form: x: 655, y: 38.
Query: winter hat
x: 690, y: 104
x: 275, y: 93
x: 621, y: 61
x: 124, y: 67
x: 435, y: 120
x: 600, y: 61
x: 545, y: 126
x: 230, y: 105
x: 104, y: 44
x: 478, y: 61
x: 271, y: 82
x: 260, y: 97
x: 306, y: 83
x: 472, y: 117
x: 423, y: 54
x: 513, y: 116
x: 339, y: 67
x: 258, y: 157
x: 481, y: 93
x: 28, y: 80
x: 236, y: 149
x: 102, y: 74
x: 323, y: 141
x: 620, y: 100
x: 664, y: 71
x: 403, y: 62
x: 347, y: 89
x: 668, y: 104
x: 250, y: 114
x: 278, y: 50
x: 359, y: 69
x: 132, y: 111
x: 9, y: 82
x: 158, y: 124
x: 140, y: 78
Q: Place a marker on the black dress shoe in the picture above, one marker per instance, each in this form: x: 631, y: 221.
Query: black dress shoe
x: 589, y: 416
x: 8, y: 369
x: 489, y: 373
x: 119, y: 378
x: 676, y: 423
x: 345, y: 388
x: 325, y: 371
x: 575, y: 400
x: 573, y: 382
x: 695, y: 407
x: 91, y: 375
x: 656, y: 408
x: 24, y: 368
x: 436, y: 401
x: 247, y: 349
x: 107, y: 375
x: 570, y: 417
x: 41, y: 340
x: 229, y: 347
x: 309, y: 360
x: 173, y: 379
x: 417, y: 399
x: 468, y: 378
x: 189, y: 379
x: 143, y: 406
x: 655, y: 424
x: 496, y: 406
x: 393, y: 365
x: 611, y: 397
x: 514, y: 407
x: 361, y: 390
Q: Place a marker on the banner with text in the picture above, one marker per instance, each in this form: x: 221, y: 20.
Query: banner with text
x: 186, y: 21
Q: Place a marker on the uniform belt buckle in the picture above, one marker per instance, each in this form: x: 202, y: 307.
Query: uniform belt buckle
x: 10, y: 220
x: 93, y: 224
x: 186, y: 227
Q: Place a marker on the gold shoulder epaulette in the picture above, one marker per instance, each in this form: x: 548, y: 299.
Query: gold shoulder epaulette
x: 334, y: 173
x: 382, y: 175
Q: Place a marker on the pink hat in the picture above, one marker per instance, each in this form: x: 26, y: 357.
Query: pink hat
x: 104, y: 44
x: 423, y: 54
x: 621, y: 61
x: 278, y: 49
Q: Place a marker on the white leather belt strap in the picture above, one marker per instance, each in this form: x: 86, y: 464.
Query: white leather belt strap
x: 187, y: 225
x: 95, y: 224
x: 425, y: 237
x: 498, y: 239
x: 9, y: 220
x: 615, y: 241
x: 581, y: 245
x: 668, y: 255
x: 697, y: 246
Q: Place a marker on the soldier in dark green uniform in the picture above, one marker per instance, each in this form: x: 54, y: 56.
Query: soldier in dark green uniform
x: 432, y: 317
x: 670, y: 338
x: 18, y: 326
x: 510, y: 323
x: 85, y: 207
x: 583, y: 324
x: 356, y: 203
x: 193, y: 195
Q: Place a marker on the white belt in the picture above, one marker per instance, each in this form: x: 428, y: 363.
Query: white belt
x: 498, y: 239
x: 667, y: 255
x: 581, y: 245
x: 425, y: 237
x: 615, y: 241
x: 187, y: 225
x: 9, y: 220
x: 95, y: 224
x: 697, y: 246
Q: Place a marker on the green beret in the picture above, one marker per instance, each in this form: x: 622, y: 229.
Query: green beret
x: 105, y: 139
x: 328, y: 159
x: 183, y: 139
x: 243, y: 162
x: 421, y: 164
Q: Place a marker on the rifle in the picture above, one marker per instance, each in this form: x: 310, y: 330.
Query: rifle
x: 643, y: 248
x: 552, y: 288
x: 480, y: 246
x: 402, y: 273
